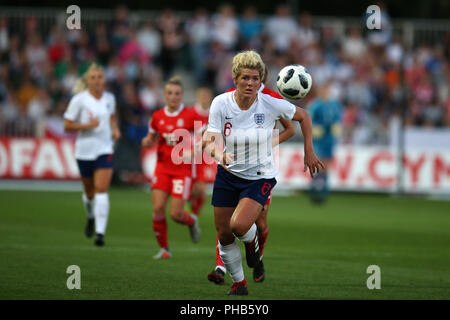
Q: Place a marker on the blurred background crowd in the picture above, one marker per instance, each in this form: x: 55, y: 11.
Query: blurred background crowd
x: 366, y: 70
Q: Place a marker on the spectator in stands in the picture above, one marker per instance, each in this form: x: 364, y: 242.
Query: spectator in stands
x: 225, y: 27
x: 150, y: 39
x: 198, y: 30
x: 250, y: 28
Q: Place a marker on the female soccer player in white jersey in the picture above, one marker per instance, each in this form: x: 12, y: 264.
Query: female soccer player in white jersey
x: 239, y: 136
x: 91, y: 112
x: 217, y: 276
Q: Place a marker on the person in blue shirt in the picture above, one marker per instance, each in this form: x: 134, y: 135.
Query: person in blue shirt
x: 325, y: 113
x: 250, y: 26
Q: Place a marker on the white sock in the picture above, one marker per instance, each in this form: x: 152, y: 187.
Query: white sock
x: 88, y: 206
x: 231, y: 257
x: 101, y: 211
x: 250, y: 235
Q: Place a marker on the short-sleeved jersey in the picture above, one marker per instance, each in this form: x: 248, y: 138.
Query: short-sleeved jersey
x: 165, y: 124
x: 325, y: 114
x: 82, y: 108
x: 248, y: 133
x: 264, y: 89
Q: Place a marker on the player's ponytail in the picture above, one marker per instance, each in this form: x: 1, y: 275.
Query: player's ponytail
x: 176, y: 80
x: 81, y: 83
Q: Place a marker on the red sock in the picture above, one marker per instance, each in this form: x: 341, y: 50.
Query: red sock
x: 219, y: 262
x: 160, y: 229
x: 197, y: 204
x: 235, y: 284
x: 187, y: 219
x: 262, y: 240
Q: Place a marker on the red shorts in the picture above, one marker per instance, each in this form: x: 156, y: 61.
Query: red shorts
x: 177, y: 186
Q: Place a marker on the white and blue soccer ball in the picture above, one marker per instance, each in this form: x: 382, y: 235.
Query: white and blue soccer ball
x: 294, y: 82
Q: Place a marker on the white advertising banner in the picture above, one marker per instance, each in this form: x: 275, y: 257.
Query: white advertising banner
x: 359, y: 169
x: 372, y: 169
x: 354, y: 168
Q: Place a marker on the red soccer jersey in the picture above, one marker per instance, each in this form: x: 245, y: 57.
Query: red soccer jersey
x: 206, y: 170
x: 165, y: 123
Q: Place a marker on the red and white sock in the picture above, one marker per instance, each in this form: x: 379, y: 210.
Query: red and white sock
x: 219, y: 262
x: 262, y: 238
x: 197, y: 204
x: 188, y: 219
x: 160, y: 229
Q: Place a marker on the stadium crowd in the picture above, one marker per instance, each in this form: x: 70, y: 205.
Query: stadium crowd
x: 363, y: 68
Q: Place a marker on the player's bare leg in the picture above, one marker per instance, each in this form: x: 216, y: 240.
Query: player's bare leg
x: 102, y: 180
x: 159, y: 200
x: 88, y: 201
x: 180, y: 215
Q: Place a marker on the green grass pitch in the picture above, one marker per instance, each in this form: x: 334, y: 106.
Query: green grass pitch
x: 312, y: 252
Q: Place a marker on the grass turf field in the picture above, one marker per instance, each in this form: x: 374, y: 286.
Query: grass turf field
x: 311, y: 253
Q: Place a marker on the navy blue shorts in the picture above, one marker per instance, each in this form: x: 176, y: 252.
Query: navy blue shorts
x: 87, y: 167
x: 229, y: 189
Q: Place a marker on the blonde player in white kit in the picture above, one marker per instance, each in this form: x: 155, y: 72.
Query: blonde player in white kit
x: 91, y: 112
x: 239, y: 136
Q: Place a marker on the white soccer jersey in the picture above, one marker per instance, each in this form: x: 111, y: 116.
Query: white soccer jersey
x: 83, y: 107
x: 248, y: 133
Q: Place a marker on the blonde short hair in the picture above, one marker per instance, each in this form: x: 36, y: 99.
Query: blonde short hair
x: 248, y: 60
x: 175, y: 80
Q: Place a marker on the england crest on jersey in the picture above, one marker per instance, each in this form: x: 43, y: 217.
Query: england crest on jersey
x: 259, y: 118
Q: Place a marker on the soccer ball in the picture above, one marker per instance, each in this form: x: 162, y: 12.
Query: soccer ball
x: 294, y: 82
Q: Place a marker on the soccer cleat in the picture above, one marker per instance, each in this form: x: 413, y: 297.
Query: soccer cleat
x: 252, y: 253
x: 163, y: 254
x: 217, y: 276
x: 259, y: 273
x: 89, y: 229
x: 239, y: 289
x: 99, y: 242
x: 194, y: 230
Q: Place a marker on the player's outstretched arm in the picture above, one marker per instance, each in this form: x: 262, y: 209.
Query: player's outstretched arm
x: 311, y: 161
x: 70, y: 125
